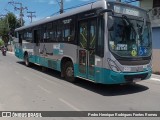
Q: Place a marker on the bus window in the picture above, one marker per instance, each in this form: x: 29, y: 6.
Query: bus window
x: 83, y: 35
x: 59, y: 32
x: 47, y: 32
x: 68, y: 29
x: 20, y: 38
x: 92, y: 34
x: 28, y: 36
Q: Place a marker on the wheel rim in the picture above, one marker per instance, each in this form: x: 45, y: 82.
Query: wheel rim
x: 69, y: 72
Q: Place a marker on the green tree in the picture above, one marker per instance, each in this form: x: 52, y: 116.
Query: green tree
x: 7, y: 26
x: 12, y: 20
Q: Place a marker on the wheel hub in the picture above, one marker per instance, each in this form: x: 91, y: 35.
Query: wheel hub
x: 69, y: 71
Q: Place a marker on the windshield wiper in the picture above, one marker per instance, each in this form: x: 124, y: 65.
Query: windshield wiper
x: 144, y: 24
x: 125, y: 18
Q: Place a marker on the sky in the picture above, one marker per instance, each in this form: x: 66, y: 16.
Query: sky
x: 43, y: 8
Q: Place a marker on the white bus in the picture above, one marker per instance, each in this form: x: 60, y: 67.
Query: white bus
x: 103, y: 42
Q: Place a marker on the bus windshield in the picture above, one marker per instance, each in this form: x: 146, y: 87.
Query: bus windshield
x: 129, y: 37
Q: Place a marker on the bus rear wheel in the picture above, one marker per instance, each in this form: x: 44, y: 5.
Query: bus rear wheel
x: 69, y: 72
x: 26, y: 60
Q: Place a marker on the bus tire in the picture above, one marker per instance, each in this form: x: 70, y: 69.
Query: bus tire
x: 69, y: 72
x: 26, y: 60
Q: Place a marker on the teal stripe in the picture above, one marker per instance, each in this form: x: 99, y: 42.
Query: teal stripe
x: 106, y: 76
x: 102, y: 75
x: 19, y: 53
x: 49, y: 63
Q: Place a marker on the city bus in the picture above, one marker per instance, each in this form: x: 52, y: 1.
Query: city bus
x: 103, y: 42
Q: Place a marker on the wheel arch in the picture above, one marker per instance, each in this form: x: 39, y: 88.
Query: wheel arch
x: 63, y: 61
x: 25, y: 53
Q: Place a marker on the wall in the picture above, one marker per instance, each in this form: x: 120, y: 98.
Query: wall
x: 146, y: 4
x: 156, y: 49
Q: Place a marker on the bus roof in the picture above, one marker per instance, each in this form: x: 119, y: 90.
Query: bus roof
x: 79, y: 9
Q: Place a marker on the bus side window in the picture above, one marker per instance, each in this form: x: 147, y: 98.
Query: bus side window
x: 100, y: 40
x: 16, y: 34
x: 69, y: 29
x: 59, y: 33
x: 20, y: 38
x: 54, y: 32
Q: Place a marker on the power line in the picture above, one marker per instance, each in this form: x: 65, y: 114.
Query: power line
x: 61, y: 7
x: 31, y: 15
x: 7, y: 10
x: 58, y: 2
x: 61, y: 3
x: 21, y: 9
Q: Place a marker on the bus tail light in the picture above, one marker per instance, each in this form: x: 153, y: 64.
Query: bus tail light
x: 113, y: 66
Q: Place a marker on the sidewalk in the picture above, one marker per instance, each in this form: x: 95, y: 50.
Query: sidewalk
x: 10, y: 52
x: 155, y: 75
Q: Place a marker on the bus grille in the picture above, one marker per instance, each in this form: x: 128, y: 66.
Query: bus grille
x: 130, y: 78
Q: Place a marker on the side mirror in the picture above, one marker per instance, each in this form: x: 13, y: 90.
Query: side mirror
x: 102, y: 11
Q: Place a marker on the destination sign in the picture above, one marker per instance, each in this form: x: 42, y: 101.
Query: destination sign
x: 126, y: 10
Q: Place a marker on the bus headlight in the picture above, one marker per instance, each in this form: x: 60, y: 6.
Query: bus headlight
x: 113, y: 66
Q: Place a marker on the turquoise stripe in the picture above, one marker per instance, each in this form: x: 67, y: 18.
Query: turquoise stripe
x: 102, y: 75
x: 19, y: 53
x: 49, y: 63
x: 106, y: 76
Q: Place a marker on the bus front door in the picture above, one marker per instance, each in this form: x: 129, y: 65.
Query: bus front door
x: 86, y: 50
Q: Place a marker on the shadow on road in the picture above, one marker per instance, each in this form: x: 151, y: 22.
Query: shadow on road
x: 111, y: 90
x: 105, y: 90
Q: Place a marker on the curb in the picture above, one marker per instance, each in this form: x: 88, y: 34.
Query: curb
x: 10, y: 52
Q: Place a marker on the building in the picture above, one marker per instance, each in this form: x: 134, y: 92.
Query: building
x: 153, y: 7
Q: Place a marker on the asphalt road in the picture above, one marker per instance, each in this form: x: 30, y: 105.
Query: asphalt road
x: 31, y: 89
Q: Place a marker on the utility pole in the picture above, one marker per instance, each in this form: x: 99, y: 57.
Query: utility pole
x: 61, y: 7
x: 31, y: 15
x: 60, y: 3
x: 21, y: 9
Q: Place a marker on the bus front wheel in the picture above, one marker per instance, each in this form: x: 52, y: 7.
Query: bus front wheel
x: 26, y: 60
x: 69, y: 72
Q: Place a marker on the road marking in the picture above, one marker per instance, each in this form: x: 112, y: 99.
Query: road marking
x: 47, y: 91
x: 68, y: 104
x: 155, y: 79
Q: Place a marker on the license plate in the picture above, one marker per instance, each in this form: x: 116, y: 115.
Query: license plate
x: 136, y: 79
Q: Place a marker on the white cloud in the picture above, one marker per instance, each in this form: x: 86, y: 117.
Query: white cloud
x: 46, y: 1
x: 68, y: 0
x: 52, y: 2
